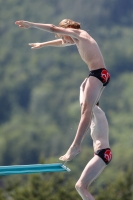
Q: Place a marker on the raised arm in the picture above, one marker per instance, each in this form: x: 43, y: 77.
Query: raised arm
x: 49, y: 28
x: 53, y: 43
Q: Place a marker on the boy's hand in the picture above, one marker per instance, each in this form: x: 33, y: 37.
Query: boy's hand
x: 23, y: 24
x: 35, y: 45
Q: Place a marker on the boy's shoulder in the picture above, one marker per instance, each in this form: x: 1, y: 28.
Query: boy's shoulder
x: 84, y: 34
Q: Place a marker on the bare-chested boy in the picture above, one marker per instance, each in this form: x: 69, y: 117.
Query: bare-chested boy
x: 102, y: 151
x: 70, y: 33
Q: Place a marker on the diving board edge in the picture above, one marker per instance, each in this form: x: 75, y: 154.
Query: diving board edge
x: 66, y: 168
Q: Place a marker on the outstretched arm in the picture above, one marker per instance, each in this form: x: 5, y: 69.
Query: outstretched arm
x: 27, y: 24
x: 49, y: 28
x: 54, y: 43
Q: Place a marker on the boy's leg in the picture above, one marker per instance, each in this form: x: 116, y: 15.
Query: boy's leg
x: 92, y: 93
x: 92, y: 170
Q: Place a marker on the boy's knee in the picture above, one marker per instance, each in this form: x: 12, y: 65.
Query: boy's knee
x: 79, y: 186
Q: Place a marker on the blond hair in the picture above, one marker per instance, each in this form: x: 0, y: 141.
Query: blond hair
x: 68, y: 23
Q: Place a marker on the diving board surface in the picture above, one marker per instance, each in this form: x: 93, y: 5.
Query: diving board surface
x: 34, y: 168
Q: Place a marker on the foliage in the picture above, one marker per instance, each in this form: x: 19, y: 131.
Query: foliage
x: 39, y: 187
x: 39, y: 89
x: 121, y: 189
x: 57, y: 186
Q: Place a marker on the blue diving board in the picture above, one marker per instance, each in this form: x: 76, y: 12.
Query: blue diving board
x: 32, y: 169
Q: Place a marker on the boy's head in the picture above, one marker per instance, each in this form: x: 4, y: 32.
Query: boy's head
x: 68, y: 23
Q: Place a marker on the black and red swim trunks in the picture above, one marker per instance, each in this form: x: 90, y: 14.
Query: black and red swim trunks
x: 102, y: 74
x: 105, y: 155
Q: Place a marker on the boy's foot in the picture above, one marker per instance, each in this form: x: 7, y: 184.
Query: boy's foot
x: 71, y: 153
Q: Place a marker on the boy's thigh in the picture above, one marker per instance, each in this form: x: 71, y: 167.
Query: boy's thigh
x: 92, y: 170
x: 93, y: 90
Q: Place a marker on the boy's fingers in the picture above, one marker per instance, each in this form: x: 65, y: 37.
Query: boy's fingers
x: 17, y: 22
x: 33, y: 47
x: 32, y: 44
